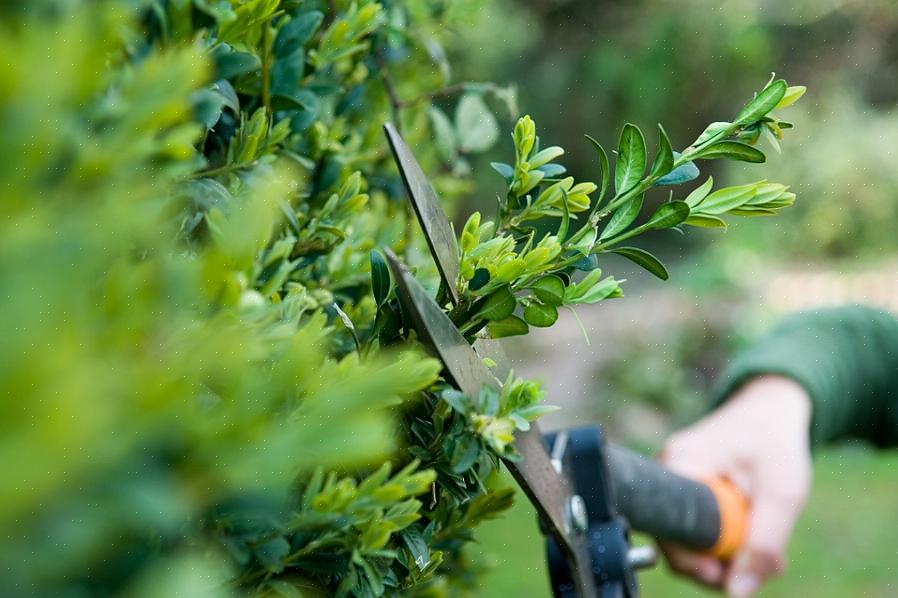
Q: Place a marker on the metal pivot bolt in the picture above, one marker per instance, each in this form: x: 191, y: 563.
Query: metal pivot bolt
x: 642, y: 557
x: 577, y: 518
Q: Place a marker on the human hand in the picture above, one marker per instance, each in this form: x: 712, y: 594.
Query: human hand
x: 758, y: 440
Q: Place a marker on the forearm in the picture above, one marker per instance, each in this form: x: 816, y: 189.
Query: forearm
x: 847, y: 361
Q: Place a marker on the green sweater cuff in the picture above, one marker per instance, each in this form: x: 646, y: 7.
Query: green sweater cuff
x: 847, y: 360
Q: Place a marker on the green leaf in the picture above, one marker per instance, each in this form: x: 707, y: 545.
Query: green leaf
x: 536, y: 411
x: 705, y: 221
x: 456, y: 399
x: 604, y: 168
x: 630, y: 166
x: 565, y: 218
x: 230, y: 63
x: 728, y: 198
x: 271, y: 554
x: 597, y: 292
x: 762, y: 104
x: 622, y: 217
x: 467, y: 449
x: 480, y: 279
x: 510, y: 326
x: 664, y: 159
x: 549, y: 289
x: 380, y: 278
x: 679, y: 175
x: 444, y: 135
x: 699, y: 193
x: 710, y: 131
x: 499, y: 305
x: 477, y: 127
x: 506, y: 170
x: 733, y: 150
x: 668, y: 215
x: 416, y: 545
x: 645, y: 259
x: 297, y: 32
x: 540, y: 314
x: 792, y: 95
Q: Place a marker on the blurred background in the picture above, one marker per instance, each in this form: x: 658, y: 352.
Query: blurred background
x: 586, y: 66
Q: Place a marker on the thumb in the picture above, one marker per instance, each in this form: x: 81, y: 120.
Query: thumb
x: 771, y: 521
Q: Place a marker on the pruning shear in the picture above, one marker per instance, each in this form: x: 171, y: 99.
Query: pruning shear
x: 587, y: 493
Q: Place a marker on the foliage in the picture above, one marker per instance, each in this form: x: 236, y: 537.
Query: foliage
x: 503, y: 266
x: 207, y: 384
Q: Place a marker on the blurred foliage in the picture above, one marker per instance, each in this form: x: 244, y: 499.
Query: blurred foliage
x: 190, y: 194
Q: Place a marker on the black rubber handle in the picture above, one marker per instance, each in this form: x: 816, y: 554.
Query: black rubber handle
x: 663, y: 504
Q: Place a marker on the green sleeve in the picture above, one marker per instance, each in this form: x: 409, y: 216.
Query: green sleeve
x: 847, y: 360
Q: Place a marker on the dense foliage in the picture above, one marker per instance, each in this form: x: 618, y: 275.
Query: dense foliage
x: 207, y: 385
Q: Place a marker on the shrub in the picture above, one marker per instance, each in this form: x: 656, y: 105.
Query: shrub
x: 202, y: 391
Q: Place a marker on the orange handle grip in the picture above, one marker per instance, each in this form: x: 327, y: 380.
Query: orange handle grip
x: 733, y: 508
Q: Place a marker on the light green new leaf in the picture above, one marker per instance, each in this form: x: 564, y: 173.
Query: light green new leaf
x: 705, y: 221
x: 728, y: 198
x: 699, y: 193
x: 733, y: 150
x: 630, y: 166
x: 792, y: 95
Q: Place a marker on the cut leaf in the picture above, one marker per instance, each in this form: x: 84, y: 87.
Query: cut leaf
x: 645, y: 259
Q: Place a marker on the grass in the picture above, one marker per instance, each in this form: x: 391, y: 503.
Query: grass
x: 845, y: 544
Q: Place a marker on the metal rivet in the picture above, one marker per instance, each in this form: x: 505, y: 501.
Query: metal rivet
x: 576, y: 514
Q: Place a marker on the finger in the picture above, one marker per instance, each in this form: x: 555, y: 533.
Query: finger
x: 700, y: 567
x: 772, y: 518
